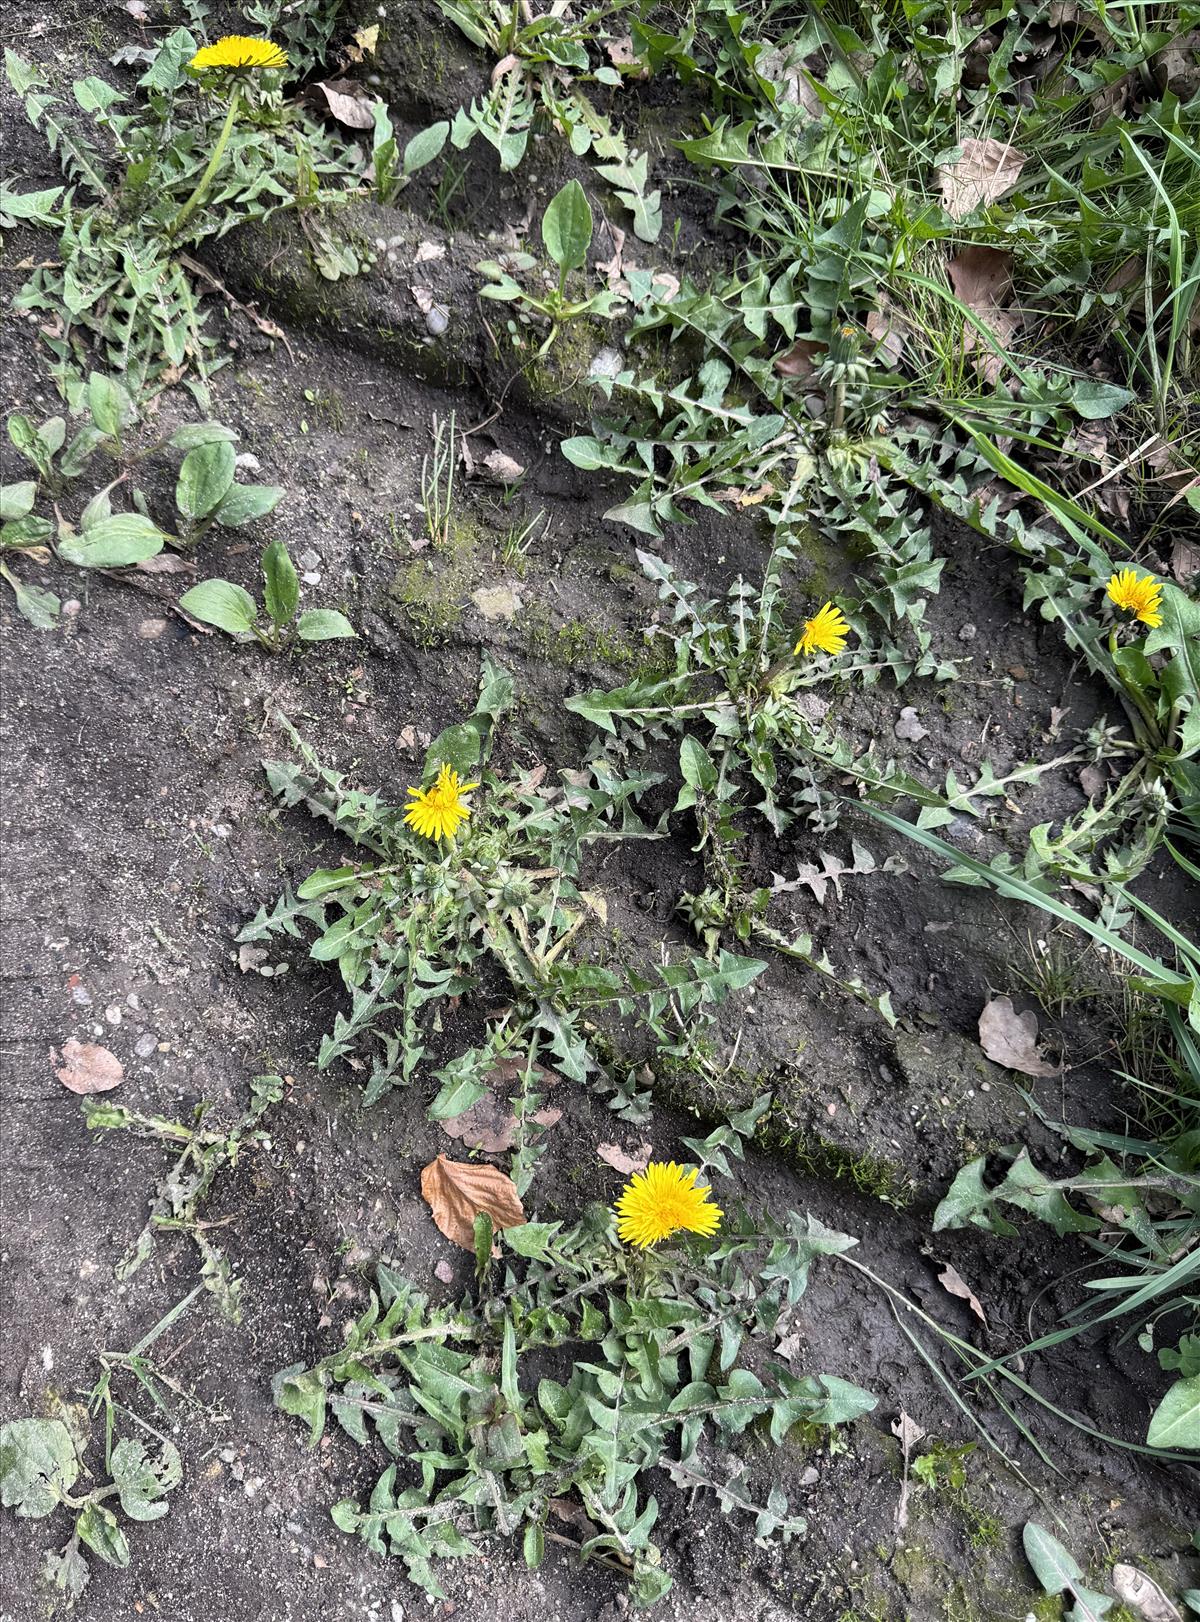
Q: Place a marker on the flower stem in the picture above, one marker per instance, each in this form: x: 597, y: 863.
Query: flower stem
x: 218, y: 152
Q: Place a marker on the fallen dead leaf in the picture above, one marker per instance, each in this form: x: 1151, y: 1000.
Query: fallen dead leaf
x: 505, y: 65
x: 909, y: 1433
x: 610, y: 269
x: 1185, y: 559
x: 986, y: 170
x: 883, y: 328
x: 909, y: 726
x: 1010, y: 1039
x: 88, y: 1068
x: 982, y: 280
x: 488, y: 1126
x: 613, y: 1155
x: 365, y: 42
x: 954, y: 1284
x: 422, y: 298
x: 498, y: 468
x: 166, y: 563
x: 457, y: 1192
x: 429, y: 252
x: 1132, y: 1587
x: 571, y: 1513
x: 1092, y: 780
x: 800, y: 360
x: 347, y: 101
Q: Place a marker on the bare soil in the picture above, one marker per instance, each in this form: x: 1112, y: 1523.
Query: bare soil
x: 139, y: 837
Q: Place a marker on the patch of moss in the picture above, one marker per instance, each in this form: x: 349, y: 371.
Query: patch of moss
x: 833, y: 1162
x: 565, y: 367
x: 585, y: 641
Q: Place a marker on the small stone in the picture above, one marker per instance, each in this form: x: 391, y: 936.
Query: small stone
x: 80, y: 995
x: 1018, y: 672
x: 149, y: 630
x: 968, y: 632
x: 311, y: 577
x: 444, y: 1271
x: 309, y: 559
x: 437, y: 319
x: 145, y: 1045
x: 606, y: 362
x: 71, y: 607
x: 113, y: 1013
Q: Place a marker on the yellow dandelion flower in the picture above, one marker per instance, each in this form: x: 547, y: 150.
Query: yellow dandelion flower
x: 436, y: 812
x: 825, y: 632
x: 664, y: 1201
x: 236, y: 52
x: 1139, y: 595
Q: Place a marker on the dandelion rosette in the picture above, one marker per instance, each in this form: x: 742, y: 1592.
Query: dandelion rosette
x: 1138, y: 594
x: 236, y: 53
x: 825, y: 632
x: 436, y: 812
x: 663, y: 1202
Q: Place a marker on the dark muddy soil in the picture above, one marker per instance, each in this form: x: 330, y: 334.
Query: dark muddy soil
x: 139, y: 837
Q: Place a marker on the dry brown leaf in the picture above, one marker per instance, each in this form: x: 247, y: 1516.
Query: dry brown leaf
x: 457, y: 1192
x: 365, y: 42
x: 571, y: 1513
x: 422, y: 298
x: 986, y: 170
x: 882, y: 327
x: 88, y: 1068
x: 908, y: 1433
x: 347, y: 101
x: 505, y: 65
x: 429, y: 252
x: 166, y: 563
x: 1010, y: 1039
x: 1185, y: 559
x: 1133, y: 1588
x: 800, y: 360
x: 1092, y: 780
x: 498, y: 468
x: 488, y: 1125
x: 620, y: 52
x: 954, y: 1284
x: 982, y: 280
x: 613, y: 1155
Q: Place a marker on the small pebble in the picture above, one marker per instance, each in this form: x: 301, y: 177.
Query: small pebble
x: 145, y: 1044
x: 967, y: 632
x: 437, y: 320
x: 113, y: 1013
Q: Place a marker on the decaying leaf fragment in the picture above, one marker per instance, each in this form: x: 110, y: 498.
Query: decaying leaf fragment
x: 88, y: 1068
x: 457, y: 1192
x: 1010, y: 1039
x: 986, y: 170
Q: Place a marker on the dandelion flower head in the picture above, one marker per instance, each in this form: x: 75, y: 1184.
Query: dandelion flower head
x: 436, y: 812
x: 663, y: 1202
x: 1137, y: 594
x: 825, y: 632
x: 237, y: 52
